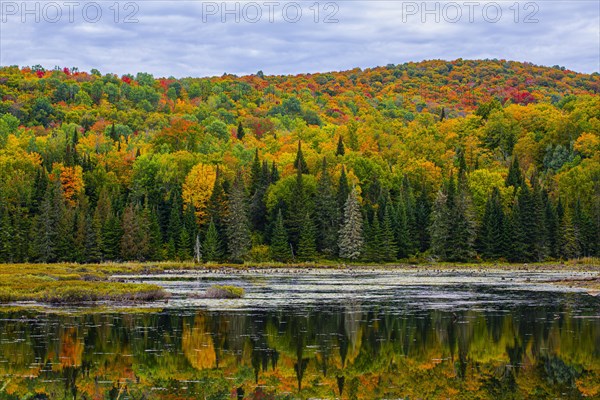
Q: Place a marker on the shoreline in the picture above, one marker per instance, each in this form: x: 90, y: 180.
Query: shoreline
x: 90, y: 284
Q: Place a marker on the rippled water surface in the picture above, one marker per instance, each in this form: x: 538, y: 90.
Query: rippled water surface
x: 363, y: 334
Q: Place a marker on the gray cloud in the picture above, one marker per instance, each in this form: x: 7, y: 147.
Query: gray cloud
x: 180, y: 39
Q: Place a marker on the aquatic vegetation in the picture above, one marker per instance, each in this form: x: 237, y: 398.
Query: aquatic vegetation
x: 224, y: 292
x: 69, y: 284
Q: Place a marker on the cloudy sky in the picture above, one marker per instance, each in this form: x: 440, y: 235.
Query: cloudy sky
x: 203, y: 38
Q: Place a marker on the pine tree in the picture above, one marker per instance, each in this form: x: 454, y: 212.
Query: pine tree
x: 217, y: 205
x: 299, y: 162
x: 327, y: 213
x: 238, y: 225
x: 350, y: 242
x: 340, y: 151
x: 401, y: 229
x: 212, y: 247
x: 422, y: 221
x: 307, y: 249
x: 280, y: 247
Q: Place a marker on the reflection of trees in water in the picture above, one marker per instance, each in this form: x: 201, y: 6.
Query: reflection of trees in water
x: 352, y: 351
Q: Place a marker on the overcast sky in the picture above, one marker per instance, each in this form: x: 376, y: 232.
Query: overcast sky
x: 194, y: 38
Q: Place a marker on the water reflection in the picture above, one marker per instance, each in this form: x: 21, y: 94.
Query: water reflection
x: 350, y: 351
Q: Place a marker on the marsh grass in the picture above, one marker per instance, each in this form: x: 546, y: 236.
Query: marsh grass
x: 224, y: 292
x: 64, y: 283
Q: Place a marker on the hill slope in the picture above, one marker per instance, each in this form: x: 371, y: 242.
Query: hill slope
x: 103, y: 167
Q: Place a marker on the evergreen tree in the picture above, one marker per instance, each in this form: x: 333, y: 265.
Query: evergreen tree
x: 212, y: 247
x: 388, y: 243
x: 462, y: 231
x: 340, y: 151
x: 6, y: 234
x: 184, y: 245
x: 551, y: 226
x: 46, y: 238
x: 515, y: 177
x: 327, y: 213
x: 307, y: 249
x: 373, y: 239
x: 217, y: 205
x: 568, y: 244
x: 238, y: 225
x: 240, y: 131
x: 280, y: 247
x: 297, y: 210
x: 299, y: 162
x: 111, y: 238
x: 491, y: 233
x: 422, y: 221
x: 439, y: 229
x: 342, y: 192
x: 350, y: 242
x: 93, y: 248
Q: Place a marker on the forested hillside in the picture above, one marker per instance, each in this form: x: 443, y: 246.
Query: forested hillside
x: 457, y: 161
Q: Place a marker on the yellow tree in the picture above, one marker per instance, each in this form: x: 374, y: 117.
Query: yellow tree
x: 198, y: 187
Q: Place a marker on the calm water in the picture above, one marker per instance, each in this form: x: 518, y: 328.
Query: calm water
x: 366, y: 335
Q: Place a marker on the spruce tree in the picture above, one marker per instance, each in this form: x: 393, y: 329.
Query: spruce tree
x: 342, y: 192
x: 238, y: 225
x: 280, y: 247
x: 568, y: 245
x: 401, y: 229
x: 462, y: 230
x: 350, y: 241
x: 439, y: 230
x: 297, y: 210
x: 212, y: 247
x: 491, y: 233
x: 307, y: 249
x: 422, y: 221
x: 388, y: 244
x: 373, y: 240
x: 515, y: 177
x: 327, y: 213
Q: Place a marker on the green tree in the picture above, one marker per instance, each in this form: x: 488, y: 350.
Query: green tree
x: 327, y: 213
x: 211, y: 246
x: 280, y: 247
x: 350, y: 240
x: 307, y: 249
x: 299, y: 162
x: 238, y: 225
x: 340, y: 151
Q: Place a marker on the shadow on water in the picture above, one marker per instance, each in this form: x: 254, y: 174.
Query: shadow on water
x: 545, y: 346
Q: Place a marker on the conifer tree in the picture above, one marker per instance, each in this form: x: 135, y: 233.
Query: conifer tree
x: 439, y: 229
x: 515, y: 177
x: 350, y: 242
x: 280, y: 247
x: 340, y: 151
x: 568, y: 244
x: 307, y: 249
x: 342, y: 192
x: 297, y: 210
x: 212, y: 247
x: 240, y: 131
x: 422, y: 221
x: 491, y: 233
x: 373, y: 239
x: 388, y: 244
x: 299, y: 162
x: 238, y: 225
x: 327, y: 213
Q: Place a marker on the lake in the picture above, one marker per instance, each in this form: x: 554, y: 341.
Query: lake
x: 351, y: 334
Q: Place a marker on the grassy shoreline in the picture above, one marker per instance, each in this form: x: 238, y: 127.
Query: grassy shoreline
x: 70, y: 283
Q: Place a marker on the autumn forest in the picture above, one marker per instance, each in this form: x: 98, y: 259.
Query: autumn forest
x: 437, y: 160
